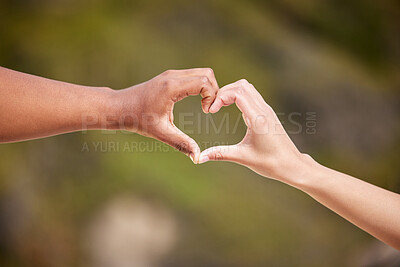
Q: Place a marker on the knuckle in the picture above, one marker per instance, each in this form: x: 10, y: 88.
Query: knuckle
x: 182, y: 147
x: 223, y: 98
x: 169, y: 84
x: 218, y: 156
x: 261, y: 120
x: 209, y: 71
x: 243, y: 82
x: 240, y: 90
x: 204, y: 80
x: 205, y: 101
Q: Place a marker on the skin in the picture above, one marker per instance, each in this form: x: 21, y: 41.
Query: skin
x: 268, y: 150
x: 34, y: 107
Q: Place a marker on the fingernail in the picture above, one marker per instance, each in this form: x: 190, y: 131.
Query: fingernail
x: 192, y: 157
x: 203, y: 159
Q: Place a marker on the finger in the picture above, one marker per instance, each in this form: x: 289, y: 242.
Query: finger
x: 195, y: 85
x: 234, y: 93
x: 225, y: 96
x: 174, y: 137
x: 202, y: 72
x: 221, y: 153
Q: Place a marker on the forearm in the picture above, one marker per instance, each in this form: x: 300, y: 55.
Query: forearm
x: 268, y: 150
x: 373, y: 209
x: 33, y: 107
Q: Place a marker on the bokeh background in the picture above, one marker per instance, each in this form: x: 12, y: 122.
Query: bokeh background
x: 62, y: 205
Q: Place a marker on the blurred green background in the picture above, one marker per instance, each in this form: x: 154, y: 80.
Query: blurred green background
x: 62, y: 205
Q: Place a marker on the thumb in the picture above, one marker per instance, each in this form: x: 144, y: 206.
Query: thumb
x: 222, y: 153
x: 180, y: 141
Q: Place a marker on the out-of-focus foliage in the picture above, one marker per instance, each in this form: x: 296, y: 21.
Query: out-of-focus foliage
x: 339, y: 59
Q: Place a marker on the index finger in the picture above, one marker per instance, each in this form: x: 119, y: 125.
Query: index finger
x: 202, y: 72
x: 209, y: 95
x: 194, y: 85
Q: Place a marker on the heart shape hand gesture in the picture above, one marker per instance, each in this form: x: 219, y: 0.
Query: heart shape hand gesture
x: 34, y: 107
x: 266, y: 148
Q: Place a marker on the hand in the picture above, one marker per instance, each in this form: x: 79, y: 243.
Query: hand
x: 147, y: 108
x: 266, y: 148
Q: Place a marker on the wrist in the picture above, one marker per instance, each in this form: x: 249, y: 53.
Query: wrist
x: 102, y: 113
x: 111, y: 114
x: 122, y: 110
x: 302, y: 173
